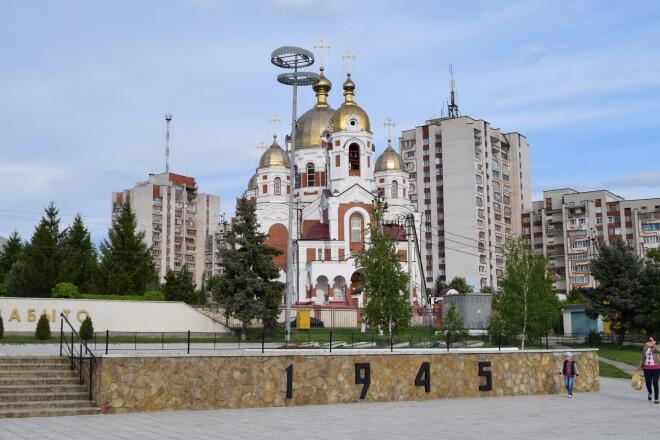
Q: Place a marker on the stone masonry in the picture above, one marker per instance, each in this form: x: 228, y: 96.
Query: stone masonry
x: 132, y: 384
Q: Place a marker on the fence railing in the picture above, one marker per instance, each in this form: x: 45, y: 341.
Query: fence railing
x: 331, y: 339
x: 72, y: 346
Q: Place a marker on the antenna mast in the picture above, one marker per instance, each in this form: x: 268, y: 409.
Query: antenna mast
x: 168, y: 119
x: 452, y: 108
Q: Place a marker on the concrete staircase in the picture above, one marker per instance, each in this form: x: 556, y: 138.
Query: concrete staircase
x: 42, y: 386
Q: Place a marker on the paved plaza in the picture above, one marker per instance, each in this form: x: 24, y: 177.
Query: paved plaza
x: 617, y: 411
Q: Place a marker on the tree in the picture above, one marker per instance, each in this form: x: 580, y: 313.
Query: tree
x: 654, y: 256
x: 179, y: 286
x: 65, y: 290
x: 15, y: 281
x: 248, y: 288
x: 622, y: 295
x: 43, y: 256
x: 79, y: 258
x: 459, y: 284
x: 525, y: 303
x: 10, y: 253
x: 487, y: 289
x: 127, y: 267
x: 575, y: 296
x: 452, y: 325
x: 439, y: 285
x: 386, y: 301
x: 43, y: 328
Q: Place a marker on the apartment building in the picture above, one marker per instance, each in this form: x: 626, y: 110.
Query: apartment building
x: 569, y: 226
x: 472, y: 184
x: 178, y: 221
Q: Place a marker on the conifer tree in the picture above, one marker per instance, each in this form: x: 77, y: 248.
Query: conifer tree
x: 248, y: 288
x: 10, y: 253
x: 43, y: 255
x: 79, y: 263
x: 179, y: 286
x: 127, y: 267
x: 43, y: 328
x: 386, y: 301
x: 15, y: 280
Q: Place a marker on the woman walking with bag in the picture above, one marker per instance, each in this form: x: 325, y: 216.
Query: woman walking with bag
x: 651, y: 364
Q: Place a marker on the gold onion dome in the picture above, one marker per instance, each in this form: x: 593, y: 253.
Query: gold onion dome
x: 313, y: 123
x: 349, y: 107
x: 390, y: 160
x: 275, y: 157
x: 252, y: 184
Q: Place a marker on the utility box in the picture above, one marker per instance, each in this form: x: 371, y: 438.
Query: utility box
x: 303, y: 319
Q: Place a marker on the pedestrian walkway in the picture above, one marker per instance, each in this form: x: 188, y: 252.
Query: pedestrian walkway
x: 614, y: 412
x: 629, y: 369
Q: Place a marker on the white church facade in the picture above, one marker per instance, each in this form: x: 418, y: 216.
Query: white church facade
x: 337, y: 178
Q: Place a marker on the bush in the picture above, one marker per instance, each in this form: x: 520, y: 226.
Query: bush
x: 593, y: 337
x: 86, y: 329
x: 65, y: 290
x: 43, y: 328
x: 154, y: 295
x: 2, y: 328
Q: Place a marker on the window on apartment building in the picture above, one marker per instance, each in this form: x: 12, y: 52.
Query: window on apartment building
x: 579, y: 280
x: 652, y: 239
x: 499, y: 261
x: 612, y: 207
x: 438, y: 172
x: 410, y: 153
x: 425, y: 142
x: 498, y: 217
x: 410, y: 165
x: 482, y: 259
x: 581, y: 244
x: 498, y: 228
x: 496, y: 163
x: 480, y: 213
x: 498, y: 239
x: 613, y: 219
x: 580, y: 268
x: 412, y: 175
x: 497, y: 206
x: 427, y: 163
x: 599, y: 220
x: 651, y: 227
x: 480, y: 201
x: 478, y: 178
x: 496, y: 174
x: 497, y: 196
x: 438, y: 161
x: 439, y: 182
x: 614, y: 231
x: 438, y: 150
x: 496, y: 185
x: 480, y: 223
x: 482, y: 235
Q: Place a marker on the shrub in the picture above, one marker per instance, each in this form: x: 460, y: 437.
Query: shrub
x: 2, y: 328
x: 65, y: 290
x: 154, y: 295
x: 43, y: 328
x: 593, y: 337
x: 86, y: 329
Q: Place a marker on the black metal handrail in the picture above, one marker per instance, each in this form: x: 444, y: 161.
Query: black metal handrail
x: 77, y: 355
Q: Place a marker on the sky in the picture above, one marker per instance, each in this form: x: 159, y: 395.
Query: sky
x: 85, y: 86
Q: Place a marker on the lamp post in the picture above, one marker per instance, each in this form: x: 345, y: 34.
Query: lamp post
x: 288, y: 57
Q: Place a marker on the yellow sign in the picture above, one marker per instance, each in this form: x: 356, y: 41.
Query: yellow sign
x: 302, y: 319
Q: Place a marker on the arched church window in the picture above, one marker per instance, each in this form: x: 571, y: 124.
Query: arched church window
x: 395, y: 189
x: 356, y: 228
x: 278, y: 186
x: 310, y: 174
x: 354, y: 157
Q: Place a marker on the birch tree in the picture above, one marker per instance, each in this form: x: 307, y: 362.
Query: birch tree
x: 525, y: 303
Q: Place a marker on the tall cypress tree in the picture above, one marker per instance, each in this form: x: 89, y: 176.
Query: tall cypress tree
x: 10, y: 253
x: 79, y: 264
x: 127, y: 266
x: 248, y: 288
x: 43, y: 256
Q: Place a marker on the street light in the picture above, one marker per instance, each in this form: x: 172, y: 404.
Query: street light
x: 289, y: 57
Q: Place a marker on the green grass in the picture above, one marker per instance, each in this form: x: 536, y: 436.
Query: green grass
x: 629, y: 354
x: 607, y: 370
x: 14, y: 339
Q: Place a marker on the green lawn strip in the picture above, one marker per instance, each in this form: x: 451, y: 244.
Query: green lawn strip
x: 607, y: 370
x: 15, y: 339
x: 629, y: 354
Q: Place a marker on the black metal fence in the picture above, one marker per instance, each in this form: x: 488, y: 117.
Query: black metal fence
x: 330, y: 339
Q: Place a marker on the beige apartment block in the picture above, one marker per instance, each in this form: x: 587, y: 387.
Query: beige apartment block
x: 472, y: 184
x: 569, y: 227
x: 181, y: 224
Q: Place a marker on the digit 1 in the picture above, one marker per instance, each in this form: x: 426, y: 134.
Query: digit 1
x: 289, y: 381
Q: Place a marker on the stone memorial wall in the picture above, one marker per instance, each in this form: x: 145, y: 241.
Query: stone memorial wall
x: 130, y: 384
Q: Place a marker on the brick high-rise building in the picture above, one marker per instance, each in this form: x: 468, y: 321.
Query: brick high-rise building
x: 471, y: 182
x: 180, y: 223
x: 568, y: 226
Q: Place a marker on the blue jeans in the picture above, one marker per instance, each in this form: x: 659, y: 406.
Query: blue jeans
x: 568, y: 382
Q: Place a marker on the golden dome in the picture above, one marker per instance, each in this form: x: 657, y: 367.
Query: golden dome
x: 252, y: 184
x: 275, y: 157
x: 390, y: 160
x: 312, y: 124
x: 348, y: 108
